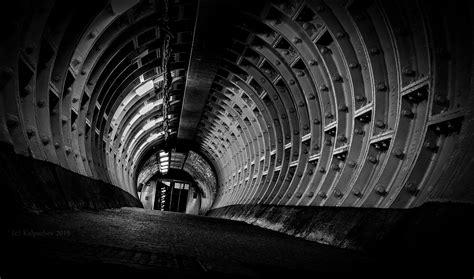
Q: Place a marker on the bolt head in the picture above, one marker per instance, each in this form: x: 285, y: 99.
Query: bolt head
x: 381, y: 86
x: 372, y: 159
x: 380, y: 190
x: 343, y: 108
x: 356, y: 192
x: 360, y: 98
x: 380, y: 124
x: 358, y: 131
x: 374, y: 51
x: 353, y: 65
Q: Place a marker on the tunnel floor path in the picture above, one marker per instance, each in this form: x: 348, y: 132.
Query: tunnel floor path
x: 129, y: 241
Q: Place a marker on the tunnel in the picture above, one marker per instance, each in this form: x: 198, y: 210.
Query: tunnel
x: 245, y: 138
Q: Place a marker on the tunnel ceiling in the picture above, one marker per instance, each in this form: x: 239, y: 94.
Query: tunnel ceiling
x: 336, y: 103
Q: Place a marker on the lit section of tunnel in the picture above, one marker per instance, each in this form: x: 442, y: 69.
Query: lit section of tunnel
x: 312, y: 103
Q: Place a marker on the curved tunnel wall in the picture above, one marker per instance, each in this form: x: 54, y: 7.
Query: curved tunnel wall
x: 343, y: 103
x: 69, y: 73
x: 337, y: 103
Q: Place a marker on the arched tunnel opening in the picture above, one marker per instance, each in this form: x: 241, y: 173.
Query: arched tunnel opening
x: 340, y: 128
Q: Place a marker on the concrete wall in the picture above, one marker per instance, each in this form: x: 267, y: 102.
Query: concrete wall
x: 432, y: 233
x: 30, y: 185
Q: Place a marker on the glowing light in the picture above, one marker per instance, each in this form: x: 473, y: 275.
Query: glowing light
x: 146, y: 108
x: 149, y: 125
x: 152, y: 137
x: 144, y: 88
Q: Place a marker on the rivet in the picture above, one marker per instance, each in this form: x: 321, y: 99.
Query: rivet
x: 56, y: 145
x: 335, y: 167
x: 92, y: 34
x: 322, y: 170
x: 340, y: 35
x: 329, y: 115
x: 27, y: 90
x: 83, y: 71
x: 292, y: 81
x: 277, y: 62
x: 343, y: 108
x: 292, y: 110
x: 380, y: 124
x: 336, y: 78
x: 300, y: 73
x: 319, y: 8
x: 276, y: 21
x: 337, y: 193
x: 6, y: 74
x: 316, y: 121
x: 353, y: 65
x: 296, y: 40
x: 374, y: 50
x: 313, y: 62
x: 30, y: 132
x: 323, y: 88
x: 356, y: 193
x: 301, y: 104
x: 351, y: 164
x: 325, y: 50
x: 372, y: 159
x: 305, y: 25
x: 380, y: 190
x: 431, y: 146
x: 296, y: 132
x: 381, y: 86
x: 12, y: 120
x: 407, y: 71
x: 305, y: 127
x: 328, y: 142
x: 359, y: 98
x: 275, y: 97
x: 75, y: 99
x: 311, y: 96
x: 411, y: 187
x: 316, y: 147
x: 407, y: 113
x: 64, y: 118
x: 44, y: 140
x: 29, y: 49
x: 341, y: 138
x: 358, y: 131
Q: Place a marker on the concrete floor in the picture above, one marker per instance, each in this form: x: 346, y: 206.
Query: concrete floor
x: 122, y: 242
